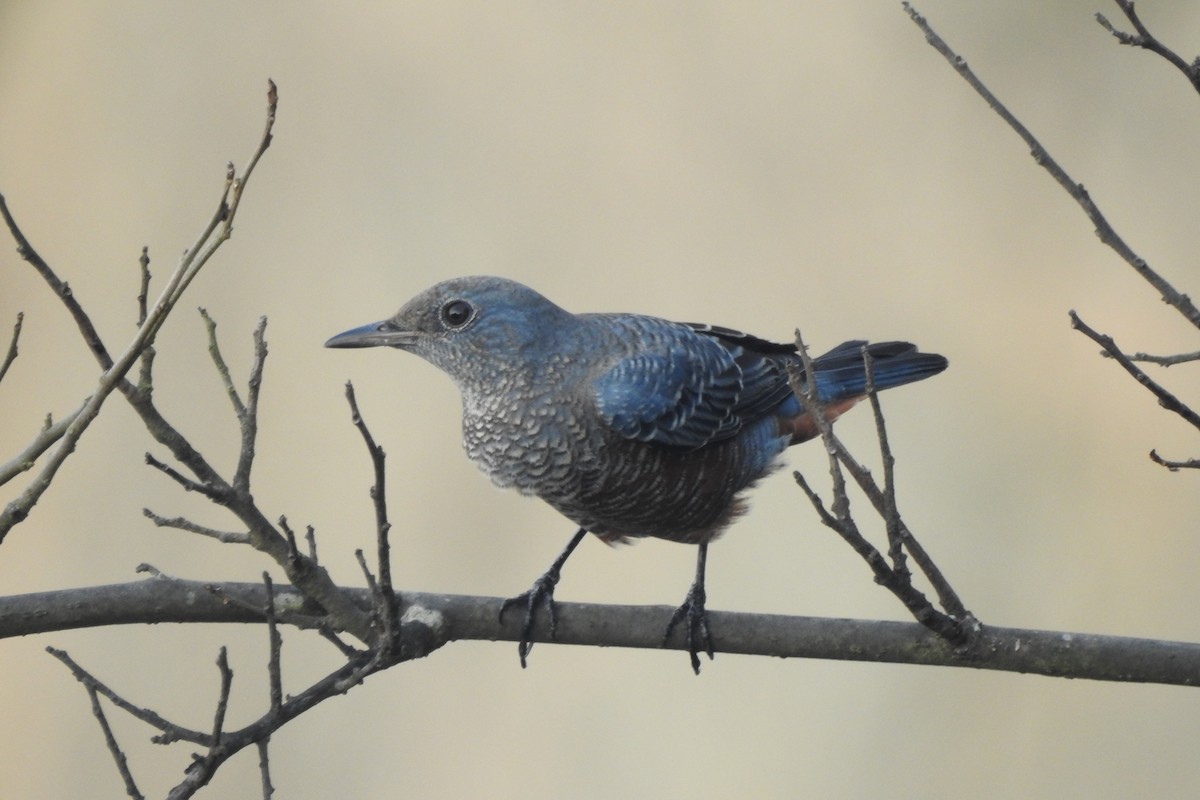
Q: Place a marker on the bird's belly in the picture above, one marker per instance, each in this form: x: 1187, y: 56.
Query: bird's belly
x: 667, y: 493
x: 621, y: 489
x: 618, y: 488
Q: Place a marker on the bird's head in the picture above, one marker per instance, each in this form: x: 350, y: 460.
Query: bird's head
x: 466, y: 326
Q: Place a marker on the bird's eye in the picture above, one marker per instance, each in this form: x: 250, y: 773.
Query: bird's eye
x: 457, y: 313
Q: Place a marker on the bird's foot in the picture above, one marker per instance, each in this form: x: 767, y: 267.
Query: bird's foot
x: 698, y: 636
x: 540, y: 594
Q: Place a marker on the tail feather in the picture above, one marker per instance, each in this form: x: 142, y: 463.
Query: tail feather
x: 841, y: 373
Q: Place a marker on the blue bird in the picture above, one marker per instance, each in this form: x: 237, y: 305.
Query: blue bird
x: 629, y: 425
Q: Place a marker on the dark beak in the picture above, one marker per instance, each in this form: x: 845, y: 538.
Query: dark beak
x: 377, y: 334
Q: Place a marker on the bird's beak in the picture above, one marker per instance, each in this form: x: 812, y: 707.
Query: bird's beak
x: 377, y: 334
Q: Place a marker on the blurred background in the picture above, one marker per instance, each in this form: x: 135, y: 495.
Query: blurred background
x: 764, y: 166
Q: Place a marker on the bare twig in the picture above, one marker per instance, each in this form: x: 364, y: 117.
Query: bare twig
x: 274, y: 647
x: 222, y: 697
x: 214, y: 352
x: 143, y: 295
x: 1147, y: 41
x: 1162, y: 361
x: 1165, y: 398
x: 146, y: 371
x: 372, y: 584
x: 180, y: 523
x: 1179, y: 301
x: 25, y: 250
x: 889, y: 512
x: 11, y: 355
x: 900, y: 537
x: 1174, y: 466
x: 310, y: 537
x: 388, y: 608
x: 213, y: 491
x: 290, y: 536
x: 118, y: 755
x: 264, y: 767
x: 249, y: 419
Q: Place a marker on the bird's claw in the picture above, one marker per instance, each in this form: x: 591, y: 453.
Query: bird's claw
x: 698, y: 636
x: 541, y: 593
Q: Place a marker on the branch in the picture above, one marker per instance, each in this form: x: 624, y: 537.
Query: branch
x: 1147, y: 41
x: 235, y: 496
x: 431, y: 620
x: 1180, y: 302
x: 215, y: 233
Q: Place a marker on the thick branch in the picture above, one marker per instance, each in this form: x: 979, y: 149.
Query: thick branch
x: 430, y: 620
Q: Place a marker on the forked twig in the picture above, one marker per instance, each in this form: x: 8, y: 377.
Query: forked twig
x: 956, y: 625
x: 1148, y: 41
x: 1165, y: 398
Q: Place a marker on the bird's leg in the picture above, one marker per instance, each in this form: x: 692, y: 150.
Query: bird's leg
x: 541, y: 593
x: 693, y: 610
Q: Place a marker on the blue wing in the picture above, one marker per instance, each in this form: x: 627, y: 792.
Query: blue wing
x: 687, y: 387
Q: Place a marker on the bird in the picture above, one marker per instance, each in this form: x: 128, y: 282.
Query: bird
x: 629, y: 425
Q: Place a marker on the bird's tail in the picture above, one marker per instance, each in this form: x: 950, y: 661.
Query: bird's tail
x: 842, y: 375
